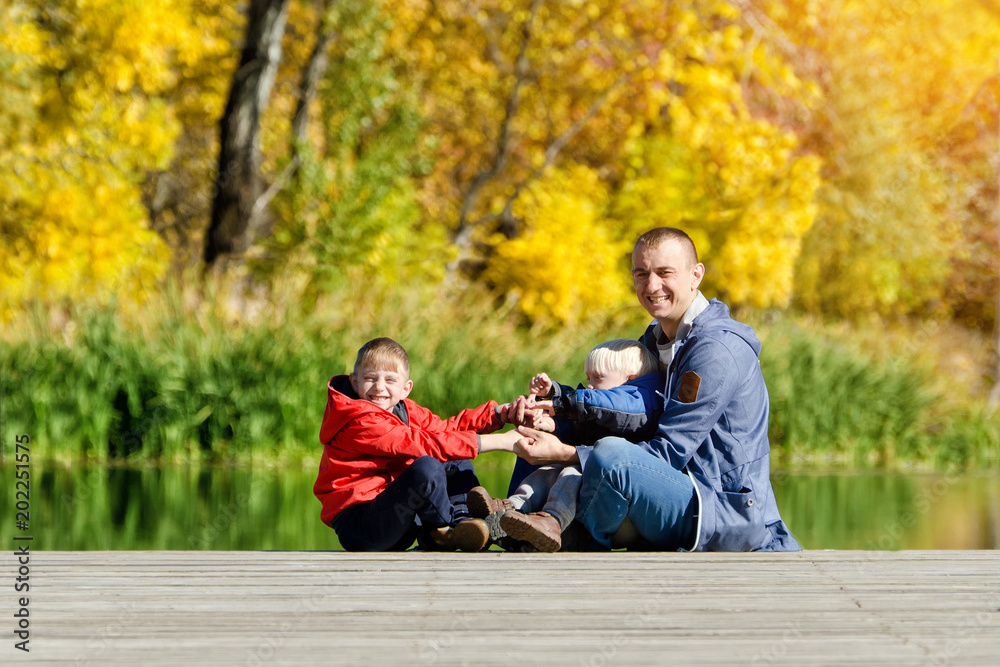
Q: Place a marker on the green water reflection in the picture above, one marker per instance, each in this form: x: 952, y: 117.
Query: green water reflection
x: 89, y: 508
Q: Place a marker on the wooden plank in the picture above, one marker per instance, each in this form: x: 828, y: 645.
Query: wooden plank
x: 826, y: 607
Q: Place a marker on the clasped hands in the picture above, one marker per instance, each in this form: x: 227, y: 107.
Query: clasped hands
x: 529, y: 411
x: 535, y: 422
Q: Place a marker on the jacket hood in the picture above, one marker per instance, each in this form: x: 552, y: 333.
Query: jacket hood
x: 344, y: 405
x: 652, y: 382
x: 342, y: 383
x: 717, y: 318
x: 714, y: 319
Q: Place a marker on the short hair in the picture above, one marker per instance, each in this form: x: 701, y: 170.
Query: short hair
x: 654, y: 237
x: 622, y: 355
x: 383, y: 354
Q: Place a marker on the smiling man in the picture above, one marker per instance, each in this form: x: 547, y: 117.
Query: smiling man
x: 703, y: 481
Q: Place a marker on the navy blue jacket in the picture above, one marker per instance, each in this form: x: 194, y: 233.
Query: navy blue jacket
x: 631, y: 410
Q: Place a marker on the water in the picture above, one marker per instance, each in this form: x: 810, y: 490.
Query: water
x: 181, y: 507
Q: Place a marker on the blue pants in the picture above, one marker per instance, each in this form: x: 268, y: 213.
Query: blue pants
x: 428, y: 494
x: 622, y: 481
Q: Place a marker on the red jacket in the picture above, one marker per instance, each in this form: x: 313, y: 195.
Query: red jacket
x: 366, y: 447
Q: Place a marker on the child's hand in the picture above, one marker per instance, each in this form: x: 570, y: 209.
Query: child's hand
x: 506, y: 413
x: 540, y: 385
x: 544, y: 407
x: 543, y: 422
x: 520, y: 411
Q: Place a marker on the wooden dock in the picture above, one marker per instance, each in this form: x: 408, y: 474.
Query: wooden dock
x: 495, y: 608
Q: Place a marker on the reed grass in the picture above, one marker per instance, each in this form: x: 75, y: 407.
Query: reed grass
x: 832, y: 404
x: 181, y: 383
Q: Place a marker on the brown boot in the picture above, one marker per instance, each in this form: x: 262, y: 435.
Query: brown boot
x: 470, y: 536
x: 481, y: 504
x: 540, y: 529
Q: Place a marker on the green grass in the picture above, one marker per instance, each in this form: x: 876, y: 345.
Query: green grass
x: 183, y: 385
x: 833, y: 405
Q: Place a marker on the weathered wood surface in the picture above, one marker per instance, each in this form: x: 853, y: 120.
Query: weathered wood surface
x: 335, y: 608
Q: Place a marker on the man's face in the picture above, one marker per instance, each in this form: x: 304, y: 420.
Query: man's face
x: 383, y: 388
x: 666, y: 281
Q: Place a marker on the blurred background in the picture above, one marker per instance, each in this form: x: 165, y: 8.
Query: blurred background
x: 206, y: 207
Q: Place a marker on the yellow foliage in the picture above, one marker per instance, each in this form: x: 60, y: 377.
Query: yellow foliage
x: 743, y: 197
x: 100, y: 87
x: 896, y: 77
x: 76, y: 241
x: 666, y: 136
x: 569, y: 263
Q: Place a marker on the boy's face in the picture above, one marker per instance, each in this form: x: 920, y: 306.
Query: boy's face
x: 610, y: 380
x: 381, y: 387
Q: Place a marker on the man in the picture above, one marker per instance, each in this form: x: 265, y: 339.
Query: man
x: 703, y: 481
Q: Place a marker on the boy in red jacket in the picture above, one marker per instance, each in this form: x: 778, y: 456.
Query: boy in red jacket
x: 393, y: 471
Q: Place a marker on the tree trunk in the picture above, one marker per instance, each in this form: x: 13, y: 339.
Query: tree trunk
x: 312, y: 74
x: 235, y: 223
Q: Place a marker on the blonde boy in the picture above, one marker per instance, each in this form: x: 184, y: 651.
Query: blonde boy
x: 622, y: 397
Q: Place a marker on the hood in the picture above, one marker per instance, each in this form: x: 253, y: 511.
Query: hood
x: 652, y: 382
x: 342, y: 384
x: 717, y: 318
x: 343, y: 405
x: 714, y: 319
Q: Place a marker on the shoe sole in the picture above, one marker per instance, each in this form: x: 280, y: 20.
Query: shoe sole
x: 478, y: 500
x: 518, y: 527
x: 493, y: 523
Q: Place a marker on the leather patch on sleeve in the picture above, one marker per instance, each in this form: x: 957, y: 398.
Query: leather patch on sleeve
x: 690, y: 384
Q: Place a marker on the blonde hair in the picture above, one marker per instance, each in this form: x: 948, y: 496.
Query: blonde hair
x: 383, y: 354
x: 621, y: 355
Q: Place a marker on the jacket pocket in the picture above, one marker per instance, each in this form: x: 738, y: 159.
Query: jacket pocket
x: 739, y: 524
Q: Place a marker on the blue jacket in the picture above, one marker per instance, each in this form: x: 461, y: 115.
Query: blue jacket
x: 714, y: 427
x: 632, y: 410
x: 717, y: 431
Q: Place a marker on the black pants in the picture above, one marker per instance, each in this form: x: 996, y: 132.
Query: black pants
x: 428, y: 494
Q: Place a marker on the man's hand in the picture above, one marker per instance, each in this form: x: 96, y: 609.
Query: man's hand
x: 539, y: 448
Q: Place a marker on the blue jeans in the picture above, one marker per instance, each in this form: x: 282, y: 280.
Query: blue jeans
x: 428, y: 494
x: 622, y: 481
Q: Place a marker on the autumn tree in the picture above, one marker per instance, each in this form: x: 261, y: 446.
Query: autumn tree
x: 635, y: 112
x: 236, y: 219
x: 85, y: 118
x: 895, y: 78
x: 344, y: 192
